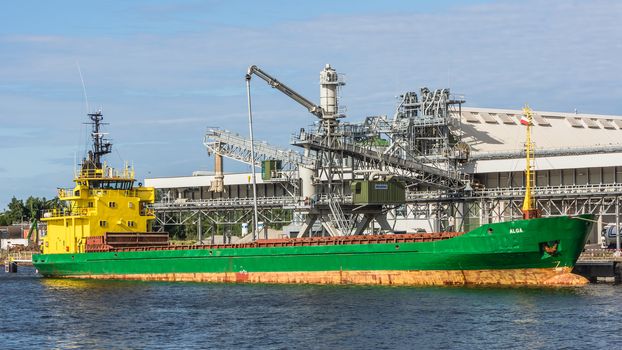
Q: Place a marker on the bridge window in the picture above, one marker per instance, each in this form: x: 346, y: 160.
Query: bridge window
x: 111, y: 185
x: 103, y: 223
x: 112, y: 204
x: 131, y: 223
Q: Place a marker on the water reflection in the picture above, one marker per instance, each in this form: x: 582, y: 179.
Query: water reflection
x: 89, y: 284
x: 95, y: 310
x: 73, y: 313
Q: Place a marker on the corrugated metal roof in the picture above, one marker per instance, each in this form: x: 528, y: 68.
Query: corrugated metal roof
x: 505, y: 118
x: 470, y: 117
x: 606, y: 124
x: 591, y: 123
x: 563, y: 130
x: 574, y: 122
x: 488, y: 118
x: 540, y: 120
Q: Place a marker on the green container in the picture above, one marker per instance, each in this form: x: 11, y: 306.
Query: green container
x: 378, y: 192
x: 270, y: 168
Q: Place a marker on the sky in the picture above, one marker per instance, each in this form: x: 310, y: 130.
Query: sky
x: 163, y: 72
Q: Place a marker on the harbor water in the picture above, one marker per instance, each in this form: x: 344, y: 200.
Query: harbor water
x: 62, y: 313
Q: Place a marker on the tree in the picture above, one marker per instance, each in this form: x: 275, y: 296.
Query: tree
x: 4, y: 220
x: 18, y: 210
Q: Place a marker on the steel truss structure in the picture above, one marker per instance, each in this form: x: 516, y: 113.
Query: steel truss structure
x: 210, y: 215
x: 236, y: 147
x: 446, y: 212
x: 494, y: 205
x: 421, y: 145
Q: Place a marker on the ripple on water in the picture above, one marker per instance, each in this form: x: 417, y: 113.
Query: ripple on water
x: 64, y: 313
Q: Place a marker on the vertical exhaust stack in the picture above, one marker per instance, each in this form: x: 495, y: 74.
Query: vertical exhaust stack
x: 329, y: 96
x: 218, y: 183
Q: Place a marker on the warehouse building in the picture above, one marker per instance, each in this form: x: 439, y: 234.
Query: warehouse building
x: 578, y: 169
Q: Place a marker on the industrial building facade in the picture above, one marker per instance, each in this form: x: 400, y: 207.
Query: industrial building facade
x: 578, y: 169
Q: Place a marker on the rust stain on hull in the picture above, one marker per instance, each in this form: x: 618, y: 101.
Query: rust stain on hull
x: 514, y: 277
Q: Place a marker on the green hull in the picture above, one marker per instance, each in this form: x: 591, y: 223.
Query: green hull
x: 516, y: 245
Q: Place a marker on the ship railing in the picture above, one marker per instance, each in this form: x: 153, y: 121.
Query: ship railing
x: 90, y: 173
x: 308, y: 241
x: 65, y: 192
x: 106, y: 172
x: 69, y: 192
x: 147, y: 212
x: 113, y: 192
x: 64, y: 212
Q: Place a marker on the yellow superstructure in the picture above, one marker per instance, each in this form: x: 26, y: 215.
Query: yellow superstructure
x: 103, y: 200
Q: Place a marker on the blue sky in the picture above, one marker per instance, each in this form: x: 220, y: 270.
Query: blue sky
x: 163, y: 71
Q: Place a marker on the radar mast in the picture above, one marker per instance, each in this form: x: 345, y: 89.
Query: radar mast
x: 101, y: 145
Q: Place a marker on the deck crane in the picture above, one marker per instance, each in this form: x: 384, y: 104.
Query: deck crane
x: 312, y: 107
x: 327, y: 111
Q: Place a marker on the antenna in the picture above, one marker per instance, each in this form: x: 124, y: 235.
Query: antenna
x: 86, y: 99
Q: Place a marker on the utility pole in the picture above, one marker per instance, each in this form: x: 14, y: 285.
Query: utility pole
x: 254, y: 179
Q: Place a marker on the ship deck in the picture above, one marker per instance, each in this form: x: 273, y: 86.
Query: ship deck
x: 291, y: 242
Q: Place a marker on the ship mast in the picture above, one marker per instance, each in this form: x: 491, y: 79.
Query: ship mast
x: 101, y: 146
x: 529, y: 208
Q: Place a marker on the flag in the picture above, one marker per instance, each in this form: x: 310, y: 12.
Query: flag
x: 524, y: 120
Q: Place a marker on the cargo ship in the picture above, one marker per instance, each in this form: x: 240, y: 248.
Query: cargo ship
x: 104, y: 232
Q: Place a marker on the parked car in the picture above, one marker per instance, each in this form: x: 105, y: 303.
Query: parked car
x: 608, y: 235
